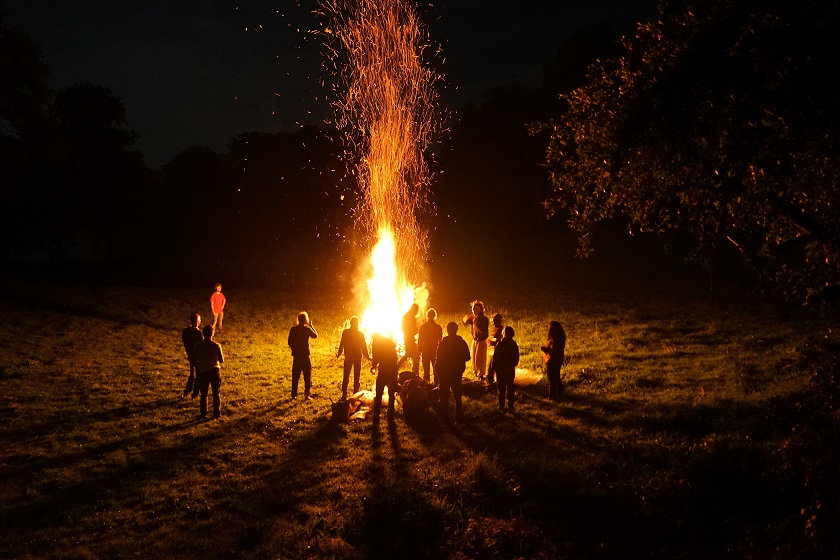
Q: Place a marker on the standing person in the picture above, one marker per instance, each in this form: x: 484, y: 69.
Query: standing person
x: 299, y: 336
x: 505, y: 360
x: 191, y: 336
x: 429, y: 336
x: 452, y: 357
x: 217, y: 306
x: 555, y: 353
x: 354, y: 347
x: 209, y: 360
x: 480, y: 330
x: 409, y: 329
x: 493, y: 340
x: 384, y: 362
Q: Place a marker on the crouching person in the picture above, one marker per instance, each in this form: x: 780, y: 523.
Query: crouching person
x: 505, y: 360
x: 209, y: 359
x: 452, y: 357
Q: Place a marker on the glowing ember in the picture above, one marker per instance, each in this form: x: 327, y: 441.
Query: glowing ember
x: 386, y: 104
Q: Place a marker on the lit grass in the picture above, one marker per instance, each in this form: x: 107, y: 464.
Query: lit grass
x: 665, y: 445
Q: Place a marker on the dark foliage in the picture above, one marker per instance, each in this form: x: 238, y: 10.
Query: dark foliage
x: 813, y: 451
x: 718, y: 120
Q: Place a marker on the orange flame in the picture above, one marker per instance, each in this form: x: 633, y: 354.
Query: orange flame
x: 387, y: 108
x: 390, y: 294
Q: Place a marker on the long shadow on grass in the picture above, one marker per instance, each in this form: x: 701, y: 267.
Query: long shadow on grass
x: 36, y: 304
x: 78, y: 495
x: 62, y: 421
x: 396, y: 514
x: 653, y: 488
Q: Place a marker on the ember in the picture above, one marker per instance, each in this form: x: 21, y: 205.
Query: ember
x: 386, y: 104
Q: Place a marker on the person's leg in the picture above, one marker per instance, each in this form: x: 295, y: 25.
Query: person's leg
x: 415, y: 359
x: 505, y: 381
x: 307, y: 377
x: 357, y: 372
x: 491, y: 375
x: 345, y: 378
x: 456, y: 393
x: 443, y: 398
x: 203, y: 385
x: 481, y: 358
x: 553, y: 383
x: 473, y: 361
x: 427, y: 364
x: 190, y: 381
x: 502, y: 391
x: 221, y: 319
x: 392, y: 398
x: 296, y: 371
x: 377, y: 400
x: 216, y: 383
x: 215, y: 320
x: 509, y: 383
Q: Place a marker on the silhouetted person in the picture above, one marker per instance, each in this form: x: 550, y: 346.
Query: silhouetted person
x: 409, y: 329
x: 480, y: 330
x: 555, y: 353
x: 354, y: 347
x: 217, y: 306
x: 493, y: 340
x: 209, y: 360
x: 452, y: 357
x: 384, y: 362
x: 505, y: 360
x: 190, y: 337
x: 429, y: 336
x: 299, y: 336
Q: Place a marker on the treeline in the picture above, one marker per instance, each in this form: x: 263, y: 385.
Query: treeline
x: 276, y: 206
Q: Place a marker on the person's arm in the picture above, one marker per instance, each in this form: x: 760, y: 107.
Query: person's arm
x: 221, y: 355
x: 313, y: 333
x: 365, y: 352
x: 341, y: 345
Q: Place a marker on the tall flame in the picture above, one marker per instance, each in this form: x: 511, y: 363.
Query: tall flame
x: 390, y: 294
x: 386, y: 104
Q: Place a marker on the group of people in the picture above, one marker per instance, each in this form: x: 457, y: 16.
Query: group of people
x: 443, y: 358
x: 206, y: 359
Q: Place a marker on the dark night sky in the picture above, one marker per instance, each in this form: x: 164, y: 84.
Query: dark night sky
x: 201, y: 71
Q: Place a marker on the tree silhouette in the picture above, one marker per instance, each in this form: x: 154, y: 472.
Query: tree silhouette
x: 103, y: 178
x: 719, y: 119
x: 25, y: 134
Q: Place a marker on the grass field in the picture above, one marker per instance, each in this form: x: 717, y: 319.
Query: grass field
x: 667, y: 444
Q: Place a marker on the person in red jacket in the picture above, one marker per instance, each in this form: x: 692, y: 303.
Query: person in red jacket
x: 217, y: 306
